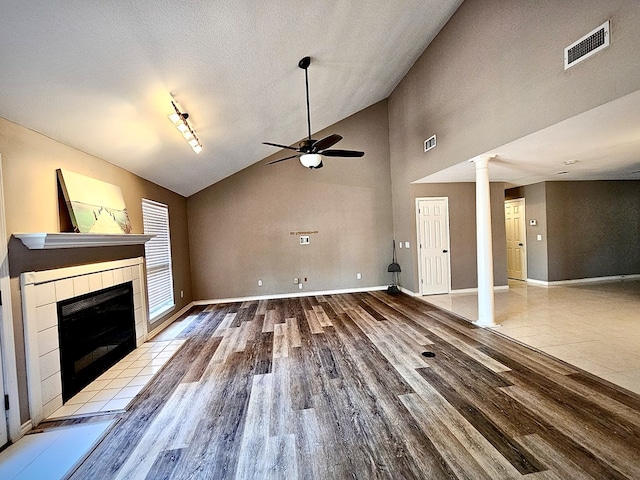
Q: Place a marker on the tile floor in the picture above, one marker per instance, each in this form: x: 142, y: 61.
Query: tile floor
x: 594, y: 326
x: 51, y: 454
x: 116, y: 388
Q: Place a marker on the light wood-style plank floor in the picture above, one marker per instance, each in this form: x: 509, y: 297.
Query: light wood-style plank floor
x: 338, y: 387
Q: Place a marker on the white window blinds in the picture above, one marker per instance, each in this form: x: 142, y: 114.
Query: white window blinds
x: 155, y: 217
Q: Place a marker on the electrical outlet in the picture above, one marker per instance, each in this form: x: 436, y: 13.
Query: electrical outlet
x: 299, y: 286
x: 295, y: 280
x: 259, y: 283
x: 407, y: 245
x: 359, y: 276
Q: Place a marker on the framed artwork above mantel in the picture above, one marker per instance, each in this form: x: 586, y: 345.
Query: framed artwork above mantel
x: 94, y: 206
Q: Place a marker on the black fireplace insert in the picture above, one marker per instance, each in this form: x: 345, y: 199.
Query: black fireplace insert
x: 96, y: 330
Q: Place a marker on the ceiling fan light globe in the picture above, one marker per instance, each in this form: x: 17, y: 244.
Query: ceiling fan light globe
x: 311, y: 160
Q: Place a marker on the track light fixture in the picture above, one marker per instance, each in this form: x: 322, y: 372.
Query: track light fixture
x: 179, y: 120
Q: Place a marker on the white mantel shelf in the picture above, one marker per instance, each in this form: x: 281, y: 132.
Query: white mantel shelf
x: 41, y: 241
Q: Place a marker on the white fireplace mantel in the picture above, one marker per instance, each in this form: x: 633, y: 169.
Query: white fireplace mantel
x: 40, y: 241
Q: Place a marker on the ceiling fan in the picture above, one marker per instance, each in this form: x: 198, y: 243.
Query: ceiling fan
x: 310, y: 151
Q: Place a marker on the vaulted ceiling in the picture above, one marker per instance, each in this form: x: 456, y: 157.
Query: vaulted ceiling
x: 100, y: 76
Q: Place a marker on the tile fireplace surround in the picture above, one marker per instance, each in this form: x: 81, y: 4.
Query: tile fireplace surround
x: 40, y: 293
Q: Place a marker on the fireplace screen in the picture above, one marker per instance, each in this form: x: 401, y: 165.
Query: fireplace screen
x: 96, y: 330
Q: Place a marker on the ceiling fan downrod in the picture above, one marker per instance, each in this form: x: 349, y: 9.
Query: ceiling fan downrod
x: 304, y: 64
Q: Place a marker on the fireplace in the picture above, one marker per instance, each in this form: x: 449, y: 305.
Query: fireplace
x: 47, y: 291
x: 95, y: 331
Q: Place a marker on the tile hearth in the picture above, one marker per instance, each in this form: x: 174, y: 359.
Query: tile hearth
x: 117, y: 387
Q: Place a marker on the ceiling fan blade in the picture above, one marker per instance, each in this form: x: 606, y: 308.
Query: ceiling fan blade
x: 342, y: 153
x: 326, y: 142
x: 280, y: 146
x: 283, y: 159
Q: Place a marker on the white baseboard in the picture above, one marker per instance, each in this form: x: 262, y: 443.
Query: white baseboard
x: 459, y: 291
x: 25, y: 428
x: 288, y: 295
x: 408, y: 292
x: 614, y: 278
x: 169, y: 321
x: 475, y: 290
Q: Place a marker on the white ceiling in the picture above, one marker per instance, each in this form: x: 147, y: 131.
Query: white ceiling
x: 601, y: 144
x: 98, y: 75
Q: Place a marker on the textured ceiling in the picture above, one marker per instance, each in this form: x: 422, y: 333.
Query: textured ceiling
x: 99, y: 76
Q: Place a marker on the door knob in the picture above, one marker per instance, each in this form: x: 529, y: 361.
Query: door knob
x: 520, y: 244
x: 445, y: 251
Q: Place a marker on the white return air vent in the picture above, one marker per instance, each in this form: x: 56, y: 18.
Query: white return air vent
x: 591, y: 43
x: 429, y: 143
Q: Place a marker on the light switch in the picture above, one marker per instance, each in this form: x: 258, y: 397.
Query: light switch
x: 400, y: 244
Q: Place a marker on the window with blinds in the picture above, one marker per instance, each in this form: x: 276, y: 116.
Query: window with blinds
x: 155, y: 217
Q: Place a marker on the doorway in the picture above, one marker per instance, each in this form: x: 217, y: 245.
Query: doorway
x: 6, y: 324
x: 434, y: 265
x: 515, y: 224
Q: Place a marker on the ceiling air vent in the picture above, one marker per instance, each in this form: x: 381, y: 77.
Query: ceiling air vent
x: 429, y: 143
x: 591, y: 43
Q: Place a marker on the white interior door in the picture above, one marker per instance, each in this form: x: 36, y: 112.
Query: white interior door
x: 516, y: 239
x: 433, y: 245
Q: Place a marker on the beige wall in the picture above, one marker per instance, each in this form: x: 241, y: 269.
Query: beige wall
x: 239, y: 228
x: 494, y: 74
x: 29, y: 163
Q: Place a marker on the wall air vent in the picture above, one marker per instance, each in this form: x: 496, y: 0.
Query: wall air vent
x: 591, y: 43
x: 429, y: 143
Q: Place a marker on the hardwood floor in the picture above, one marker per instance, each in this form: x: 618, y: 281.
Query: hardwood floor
x: 338, y: 387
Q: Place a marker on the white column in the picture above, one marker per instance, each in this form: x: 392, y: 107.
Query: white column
x: 486, y: 307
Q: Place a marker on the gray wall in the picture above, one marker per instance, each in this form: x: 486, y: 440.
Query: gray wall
x: 494, y: 74
x: 594, y: 229
x: 239, y: 228
x: 462, y: 232
x: 589, y: 229
x: 29, y: 163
